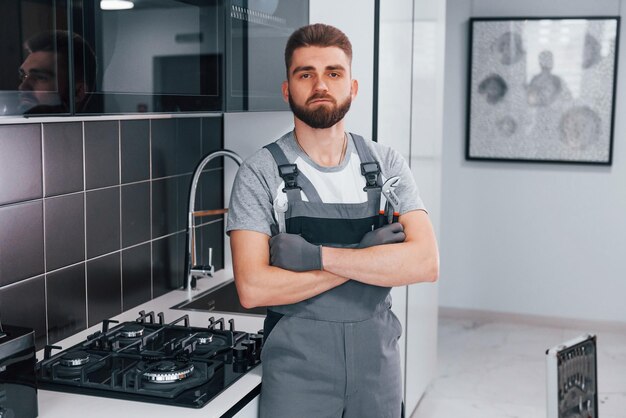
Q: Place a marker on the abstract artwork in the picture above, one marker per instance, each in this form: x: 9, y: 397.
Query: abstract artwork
x: 542, y: 89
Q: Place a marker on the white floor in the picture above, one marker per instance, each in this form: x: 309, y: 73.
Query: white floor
x: 491, y: 369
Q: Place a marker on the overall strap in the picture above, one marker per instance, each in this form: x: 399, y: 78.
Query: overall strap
x: 370, y: 169
x: 295, y: 181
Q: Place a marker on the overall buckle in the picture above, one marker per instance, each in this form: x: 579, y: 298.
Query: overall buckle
x: 370, y: 171
x: 289, y: 174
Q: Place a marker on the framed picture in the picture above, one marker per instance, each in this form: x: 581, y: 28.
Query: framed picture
x: 542, y: 89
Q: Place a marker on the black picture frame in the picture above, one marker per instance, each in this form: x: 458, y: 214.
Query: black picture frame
x: 542, y: 89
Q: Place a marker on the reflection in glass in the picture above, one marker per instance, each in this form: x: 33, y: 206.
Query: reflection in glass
x: 34, y: 67
x: 159, y: 56
x: 44, y: 77
x: 257, y: 33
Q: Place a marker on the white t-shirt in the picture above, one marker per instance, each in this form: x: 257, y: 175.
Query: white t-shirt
x: 258, y: 184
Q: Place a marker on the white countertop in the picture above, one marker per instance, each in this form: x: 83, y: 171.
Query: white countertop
x: 64, y: 405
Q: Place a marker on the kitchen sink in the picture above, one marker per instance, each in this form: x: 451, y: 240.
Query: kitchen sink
x: 220, y: 299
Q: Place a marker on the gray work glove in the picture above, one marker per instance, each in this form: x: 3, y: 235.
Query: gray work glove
x: 292, y: 252
x: 387, y: 234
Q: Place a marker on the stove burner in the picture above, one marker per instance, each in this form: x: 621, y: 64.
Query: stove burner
x: 170, y: 363
x: 71, y: 365
x: 132, y: 331
x: 204, y: 337
x: 74, y: 359
x: 168, y: 371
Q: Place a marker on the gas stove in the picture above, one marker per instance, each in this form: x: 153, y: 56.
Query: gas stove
x: 152, y: 361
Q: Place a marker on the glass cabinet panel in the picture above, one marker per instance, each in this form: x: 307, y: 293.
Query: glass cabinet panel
x: 257, y: 32
x: 158, y: 56
x: 34, y: 70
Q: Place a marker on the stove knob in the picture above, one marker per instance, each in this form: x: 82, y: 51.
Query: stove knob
x: 258, y: 340
x: 240, y: 353
x: 251, y: 349
x: 258, y: 344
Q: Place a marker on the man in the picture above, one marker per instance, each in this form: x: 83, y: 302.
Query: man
x: 303, y: 222
x: 44, y: 76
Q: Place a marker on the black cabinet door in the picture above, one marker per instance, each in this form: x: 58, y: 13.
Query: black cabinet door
x: 159, y: 56
x: 34, y: 69
x: 256, y: 34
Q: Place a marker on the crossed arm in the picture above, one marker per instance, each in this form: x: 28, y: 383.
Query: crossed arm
x: 261, y: 284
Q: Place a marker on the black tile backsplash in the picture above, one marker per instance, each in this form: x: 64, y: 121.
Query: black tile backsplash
x: 24, y: 304
x: 104, y: 288
x: 135, y: 150
x: 21, y: 241
x: 63, y: 158
x: 103, y: 221
x: 167, y: 263
x: 136, y: 276
x: 211, y: 236
x: 65, y: 230
x: 67, y: 312
x: 20, y: 163
x: 211, y: 139
x: 135, y: 213
x: 170, y: 202
x: 95, y: 223
x: 102, y: 151
x: 165, y: 206
x: 163, y: 150
x: 189, y: 145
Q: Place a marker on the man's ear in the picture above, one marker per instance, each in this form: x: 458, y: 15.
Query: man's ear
x: 285, y: 89
x: 354, y: 89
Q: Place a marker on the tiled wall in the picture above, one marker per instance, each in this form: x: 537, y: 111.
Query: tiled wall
x: 93, y: 216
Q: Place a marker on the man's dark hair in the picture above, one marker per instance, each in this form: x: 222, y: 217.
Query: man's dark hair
x: 58, y: 42
x: 319, y: 35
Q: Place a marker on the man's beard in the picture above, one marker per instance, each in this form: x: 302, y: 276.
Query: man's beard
x: 31, y: 103
x: 321, y: 117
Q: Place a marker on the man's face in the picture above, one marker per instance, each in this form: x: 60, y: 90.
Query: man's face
x: 40, y: 83
x: 319, y: 89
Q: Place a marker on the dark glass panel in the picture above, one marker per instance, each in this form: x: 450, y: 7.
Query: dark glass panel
x: 257, y: 31
x: 34, y: 71
x: 147, y: 66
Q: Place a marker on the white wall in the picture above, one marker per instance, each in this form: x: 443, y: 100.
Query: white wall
x: 541, y: 239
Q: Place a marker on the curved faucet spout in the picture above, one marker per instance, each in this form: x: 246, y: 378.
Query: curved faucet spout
x: 193, y: 272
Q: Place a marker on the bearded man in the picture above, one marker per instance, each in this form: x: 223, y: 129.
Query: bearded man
x: 309, y: 243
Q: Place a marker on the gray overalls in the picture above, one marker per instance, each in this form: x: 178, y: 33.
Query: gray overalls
x: 336, y: 354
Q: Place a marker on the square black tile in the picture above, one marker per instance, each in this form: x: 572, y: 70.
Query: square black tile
x: 67, y: 310
x: 136, y: 276
x: 102, y: 154
x: 21, y: 241
x: 23, y: 304
x: 135, y: 146
x: 211, y: 236
x: 65, y: 230
x: 212, y: 139
x: 189, y: 147
x: 167, y: 264
x: 104, y: 288
x: 184, y: 186
x: 211, y: 187
x: 165, y: 206
x: 20, y: 163
x: 103, y: 221
x: 135, y: 213
x: 164, y: 147
x: 63, y: 157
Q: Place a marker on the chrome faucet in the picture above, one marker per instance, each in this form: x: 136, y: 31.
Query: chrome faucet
x: 192, y: 271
